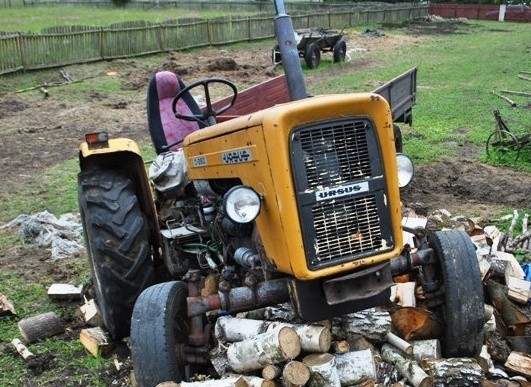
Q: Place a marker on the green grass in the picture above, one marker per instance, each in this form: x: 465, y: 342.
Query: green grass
x: 456, y: 76
x: 34, y: 19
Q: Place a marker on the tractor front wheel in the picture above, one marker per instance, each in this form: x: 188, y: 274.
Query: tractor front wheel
x: 159, y: 330
x: 118, y: 247
x: 463, y: 307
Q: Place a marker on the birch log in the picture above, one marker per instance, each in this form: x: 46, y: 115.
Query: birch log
x: 254, y: 381
x: 314, y: 338
x: 231, y: 329
x: 22, y: 349
x: 427, y: 349
x: 371, y: 324
x: 354, y: 367
x: 39, y: 327
x: 271, y: 372
x: 416, y: 324
x: 271, y: 347
x: 400, y: 343
x: 456, y: 372
x: 295, y: 373
x: 519, y: 362
x: 323, y: 370
x: 232, y: 381
x: 339, y: 347
x: 407, y: 367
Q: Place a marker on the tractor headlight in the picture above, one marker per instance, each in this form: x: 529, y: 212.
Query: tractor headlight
x: 241, y: 204
x: 405, y: 169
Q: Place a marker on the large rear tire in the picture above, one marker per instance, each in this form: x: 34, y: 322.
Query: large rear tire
x: 159, y: 330
x: 463, y: 308
x: 117, y: 243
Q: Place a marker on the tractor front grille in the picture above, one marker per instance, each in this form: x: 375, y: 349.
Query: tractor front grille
x: 340, y: 191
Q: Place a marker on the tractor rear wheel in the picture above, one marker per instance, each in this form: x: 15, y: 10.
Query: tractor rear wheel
x: 463, y: 308
x: 312, y: 56
x: 118, y: 247
x: 159, y: 330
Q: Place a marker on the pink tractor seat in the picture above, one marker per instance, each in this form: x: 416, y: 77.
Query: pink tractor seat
x: 167, y: 132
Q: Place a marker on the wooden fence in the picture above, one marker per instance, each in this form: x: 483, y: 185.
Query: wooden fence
x: 80, y: 44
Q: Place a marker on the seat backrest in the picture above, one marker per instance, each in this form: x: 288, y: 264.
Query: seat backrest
x: 165, y: 129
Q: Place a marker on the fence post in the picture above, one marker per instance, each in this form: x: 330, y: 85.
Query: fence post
x: 102, y: 54
x: 249, y: 28
x: 209, y: 32
x: 21, y: 49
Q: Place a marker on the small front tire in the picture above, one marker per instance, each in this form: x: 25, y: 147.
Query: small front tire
x: 159, y: 331
x: 463, y: 308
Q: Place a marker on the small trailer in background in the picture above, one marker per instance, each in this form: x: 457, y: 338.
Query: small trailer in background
x: 313, y: 41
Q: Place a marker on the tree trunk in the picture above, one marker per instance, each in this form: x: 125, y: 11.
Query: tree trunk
x: 323, y: 370
x: 407, y: 367
x: 271, y: 347
x: 39, y: 327
x: 354, y: 367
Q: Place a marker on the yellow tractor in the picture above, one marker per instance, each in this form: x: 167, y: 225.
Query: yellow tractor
x: 297, y: 202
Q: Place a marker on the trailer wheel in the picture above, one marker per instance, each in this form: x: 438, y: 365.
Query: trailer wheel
x: 159, y: 329
x: 117, y: 243
x: 463, y: 308
x: 340, y: 51
x: 312, y: 56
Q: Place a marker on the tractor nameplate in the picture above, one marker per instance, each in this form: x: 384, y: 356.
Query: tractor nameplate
x: 237, y: 156
x: 199, y: 161
x: 344, y: 190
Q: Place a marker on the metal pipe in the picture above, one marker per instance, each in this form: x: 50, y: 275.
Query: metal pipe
x: 289, y: 52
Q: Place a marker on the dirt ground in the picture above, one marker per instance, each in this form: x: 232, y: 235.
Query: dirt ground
x: 38, y: 132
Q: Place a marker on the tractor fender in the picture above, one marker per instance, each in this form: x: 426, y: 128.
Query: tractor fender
x: 124, y: 155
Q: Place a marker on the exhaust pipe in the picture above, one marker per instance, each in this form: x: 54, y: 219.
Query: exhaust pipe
x: 289, y: 53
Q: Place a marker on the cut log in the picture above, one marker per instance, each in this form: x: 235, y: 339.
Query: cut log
x: 513, y: 319
x: 65, y: 292
x: 295, y: 373
x: 22, y: 349
x: 96, y: 341
x: 416, y: 324
x: 323, y: 370
x: 90, y: 313
x: 271, y: 347
x: 231, y: 381
x: 403, y: 294
x: 271, y: 372
x: 339, y: 347
x: 314, y: 338
x: 40, y: 327
x: 399, y: 343
x: 484, y: 360
x: 408, y: 368
x: 355, y: 367
x: 454, y: 372
x: 371, y: 324
x: 518, y: 289
x: 253, y: 381
x: 427, y: 349
x: 6, y: 307
x: 519, y: 362
x: 231, y: 329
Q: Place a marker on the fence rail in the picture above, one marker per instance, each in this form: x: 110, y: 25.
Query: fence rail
x: 81, y: 44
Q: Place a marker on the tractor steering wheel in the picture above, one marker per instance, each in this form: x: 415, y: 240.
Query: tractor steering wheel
x: 208, y: 115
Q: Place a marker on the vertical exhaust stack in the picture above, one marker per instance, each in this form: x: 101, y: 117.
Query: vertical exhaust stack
x: 289, y: 52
